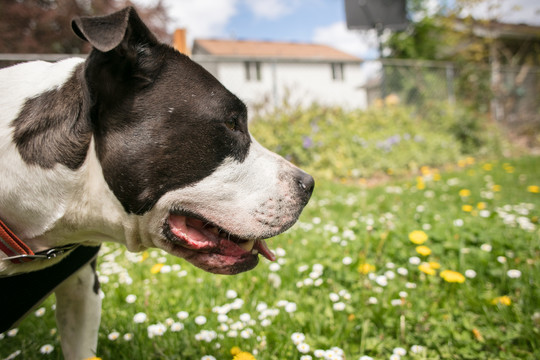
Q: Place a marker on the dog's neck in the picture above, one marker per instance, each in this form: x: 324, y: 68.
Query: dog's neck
x: 45, y: 202
x: 94, y: 214
x: 90, y: 215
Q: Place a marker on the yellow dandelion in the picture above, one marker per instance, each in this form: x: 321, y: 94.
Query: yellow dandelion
x: 426, y: 269
x: 535, y: 189
x: 235, y: 350
x: 434, y: 265
x: 470, y: 160
x: 144, y: 256
x: 464, y: 192
x: 478, y: 335
x: 487, y: 167
x: 420, y: 184
x: 467, y: 208
x: 418, y: 237
x: 481, y: 205
x: 244, y: 356
x: 503, y: 300
x: 423, y: 250
x: 496, y: 188
x: 392, y: 99
x: 508, y: 166
x: 366, y: 268
x: 425, y: 170
x: 452, y: 276
x: 156, y: 268
x: 462, y: 163
x: 436, y: 177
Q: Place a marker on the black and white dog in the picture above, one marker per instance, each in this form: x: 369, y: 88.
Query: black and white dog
x: 137, y: 145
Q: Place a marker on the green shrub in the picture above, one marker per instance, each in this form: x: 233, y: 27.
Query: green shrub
x: 334, y: 143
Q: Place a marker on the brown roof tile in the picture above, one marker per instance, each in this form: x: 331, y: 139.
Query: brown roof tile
x: 269, y: 49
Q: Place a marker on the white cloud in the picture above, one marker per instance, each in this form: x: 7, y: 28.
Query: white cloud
x: 360, y: 43
x: 201, y: 18
x: 271, y: 9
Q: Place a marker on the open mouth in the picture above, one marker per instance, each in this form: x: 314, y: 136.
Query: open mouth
x: 212, y: 248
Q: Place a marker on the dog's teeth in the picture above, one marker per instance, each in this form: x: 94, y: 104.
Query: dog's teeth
x: 254, y: 252
x: 248, y: 245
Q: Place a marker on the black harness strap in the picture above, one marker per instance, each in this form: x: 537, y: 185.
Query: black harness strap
x: 22, y: 292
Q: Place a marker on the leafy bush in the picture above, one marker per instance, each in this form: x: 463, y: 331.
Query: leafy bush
x: 334, y: 143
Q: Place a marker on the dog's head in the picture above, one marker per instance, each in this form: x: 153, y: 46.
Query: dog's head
x: 174, y: 147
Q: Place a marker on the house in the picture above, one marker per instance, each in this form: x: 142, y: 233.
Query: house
x: 265, y: 74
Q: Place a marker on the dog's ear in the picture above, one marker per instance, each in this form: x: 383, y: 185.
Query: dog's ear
x: 122, y: 29
x: 124, y: 55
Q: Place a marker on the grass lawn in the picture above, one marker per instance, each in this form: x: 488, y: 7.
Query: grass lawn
x: 443, y: 266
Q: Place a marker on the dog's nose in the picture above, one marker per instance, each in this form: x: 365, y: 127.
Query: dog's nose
x: 306, y: 183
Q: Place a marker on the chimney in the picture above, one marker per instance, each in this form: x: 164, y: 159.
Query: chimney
x: 180, y: 41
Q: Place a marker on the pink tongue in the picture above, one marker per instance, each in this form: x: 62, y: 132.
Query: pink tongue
x: 193, y: 238
x: 196, y: 240
x: 178, y: 225
x: 262, y: 247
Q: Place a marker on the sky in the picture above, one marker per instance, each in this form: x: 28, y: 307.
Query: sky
x: 312, y: 21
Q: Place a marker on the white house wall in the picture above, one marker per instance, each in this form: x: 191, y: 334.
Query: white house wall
x: 300, y: 83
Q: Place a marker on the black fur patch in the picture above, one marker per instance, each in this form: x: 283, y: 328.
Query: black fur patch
x: 53, y: 128
x: 160, y: 121
x: 157, y: 137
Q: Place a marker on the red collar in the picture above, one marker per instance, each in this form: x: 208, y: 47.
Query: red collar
x: 12, y: 246
x: 18, y: 252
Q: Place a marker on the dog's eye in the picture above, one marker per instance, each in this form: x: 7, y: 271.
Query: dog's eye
x: 232, y: 124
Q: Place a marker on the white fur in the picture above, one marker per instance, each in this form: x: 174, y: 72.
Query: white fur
x: 78, y: 314
x: 50, y: 207
x: 31, y: 198
x: 250, y: 199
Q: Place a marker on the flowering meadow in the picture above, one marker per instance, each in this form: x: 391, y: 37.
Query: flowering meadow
x: 442, y: 265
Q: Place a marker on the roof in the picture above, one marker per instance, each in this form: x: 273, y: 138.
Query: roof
x: 269, y: 49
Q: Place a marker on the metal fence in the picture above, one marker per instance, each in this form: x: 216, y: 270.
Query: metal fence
x: 410, y: 82
x: 510, y: 95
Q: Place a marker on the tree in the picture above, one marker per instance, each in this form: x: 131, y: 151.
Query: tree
x: 445, y: 34
x: 494, y: 61
x: 43, y: 26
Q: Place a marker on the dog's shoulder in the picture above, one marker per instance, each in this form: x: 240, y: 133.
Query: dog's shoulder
x: 48, y: 127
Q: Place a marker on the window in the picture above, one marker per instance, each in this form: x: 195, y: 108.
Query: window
x: 337, y: 72
x: 253, y: 70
